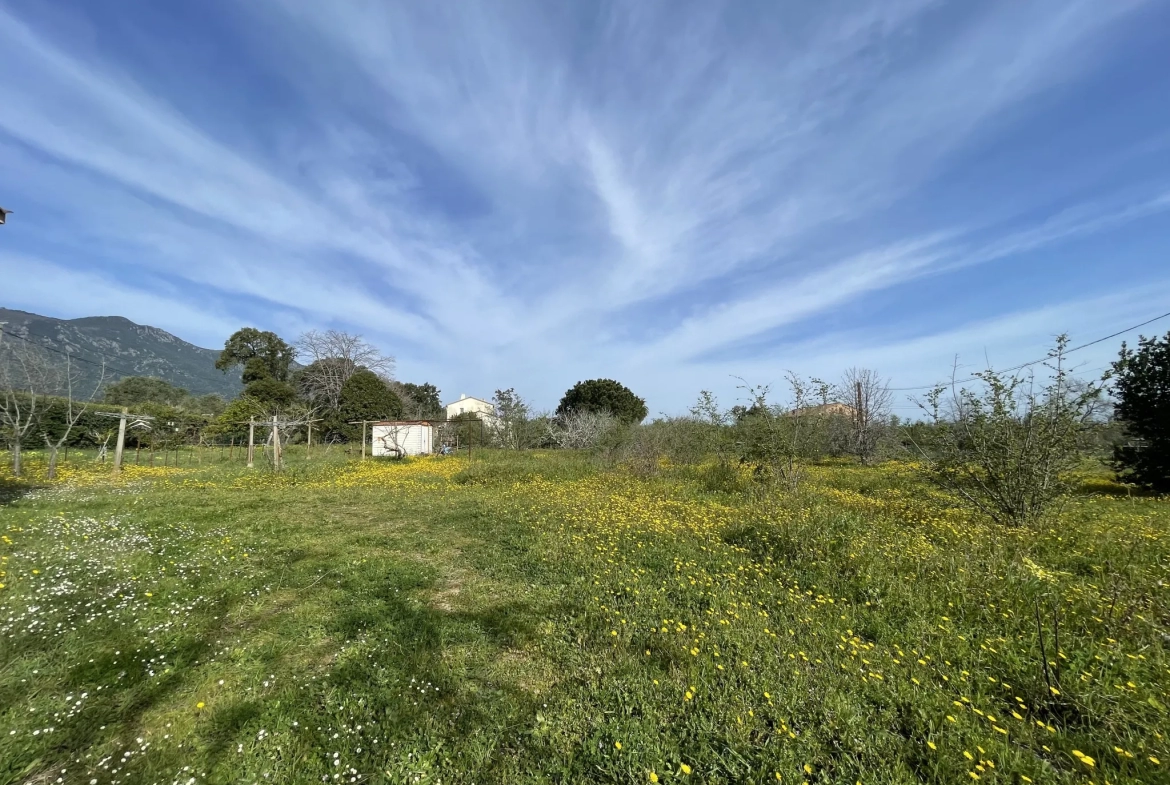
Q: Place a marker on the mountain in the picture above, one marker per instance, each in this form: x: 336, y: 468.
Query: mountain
x: 128, y: 349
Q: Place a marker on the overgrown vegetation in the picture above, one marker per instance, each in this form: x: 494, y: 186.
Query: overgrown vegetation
x: 801, y: 590
x: 1007, y: 446
x: 536, y: 616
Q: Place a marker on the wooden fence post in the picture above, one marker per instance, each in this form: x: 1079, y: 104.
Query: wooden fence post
x: 121, y: 440
x: 251, y: 440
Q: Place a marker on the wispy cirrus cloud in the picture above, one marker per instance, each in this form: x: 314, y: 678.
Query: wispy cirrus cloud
x: 525, y: 195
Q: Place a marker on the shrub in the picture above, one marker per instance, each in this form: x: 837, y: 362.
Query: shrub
x: 1004, y: 448
x: 722, y: 477
x: 777, y: 441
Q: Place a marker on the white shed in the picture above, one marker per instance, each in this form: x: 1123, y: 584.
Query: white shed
x: 398, y: 438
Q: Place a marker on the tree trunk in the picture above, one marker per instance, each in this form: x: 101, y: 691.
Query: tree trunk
x: 16, y: 466
x: 52, y: 473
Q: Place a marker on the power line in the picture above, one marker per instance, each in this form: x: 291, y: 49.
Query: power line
x: 1042, y: 359
x: 70, y: 355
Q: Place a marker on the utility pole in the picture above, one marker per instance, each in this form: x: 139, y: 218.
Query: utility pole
x: 251, y: 440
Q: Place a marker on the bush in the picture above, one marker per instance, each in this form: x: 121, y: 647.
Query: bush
x: 722, y: 477
x: 778, y: 441
x: 1005, y: 449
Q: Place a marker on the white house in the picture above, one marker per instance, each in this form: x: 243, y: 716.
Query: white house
x: 398, y: 438
x: 486, y: 410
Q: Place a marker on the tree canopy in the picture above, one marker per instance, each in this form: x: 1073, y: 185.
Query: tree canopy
x: 364, y: 396
x: 424, y: 403
x: 266, y: 360
x: 604, y: 395
x: 262, y: 354
x: 134, y: 390
x: 1141, y: 385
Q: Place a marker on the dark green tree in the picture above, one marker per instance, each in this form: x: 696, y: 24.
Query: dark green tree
x: 604, y: 395
x: 469, y: 429
x: 364, y: 396
x: 262, y: 354
x: 1141, y: 385
x: 424, y: 401
x: 266, y: 360
x: 210, y: 404
x: 134, y: 390
x: 273, y: 394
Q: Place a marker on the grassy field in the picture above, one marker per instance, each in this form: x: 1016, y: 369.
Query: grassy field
x: 534, y: 618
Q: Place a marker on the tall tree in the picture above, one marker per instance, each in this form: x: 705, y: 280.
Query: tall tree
x: 421, y: 400
x: 604, y: 395
x: 262, y: 355
x: 334, y: 357
x: 1141, y: 385
x: 365, y: 396
x: 266, y: 360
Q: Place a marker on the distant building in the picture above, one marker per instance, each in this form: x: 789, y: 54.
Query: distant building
x: 485, y: 410
x: 826, y: 410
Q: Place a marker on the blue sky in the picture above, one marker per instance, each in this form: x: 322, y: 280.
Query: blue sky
x: 528, y: 194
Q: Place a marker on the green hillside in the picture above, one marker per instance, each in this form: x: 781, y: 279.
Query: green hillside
x: 128, y: 349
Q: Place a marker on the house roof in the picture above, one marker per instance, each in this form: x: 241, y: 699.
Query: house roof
x: 469, y: 398
x: 401, y: 422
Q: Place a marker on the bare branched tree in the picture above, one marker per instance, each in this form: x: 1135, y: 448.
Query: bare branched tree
x: 580, y: 430
x: 868, y: 398
x: 26, y: 376
x: 73, y: 410
x: 334, y: 356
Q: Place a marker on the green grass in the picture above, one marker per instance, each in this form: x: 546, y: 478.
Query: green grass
x: 518, y: 618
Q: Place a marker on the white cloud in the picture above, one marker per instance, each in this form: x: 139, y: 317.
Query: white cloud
x: 720, y: 175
